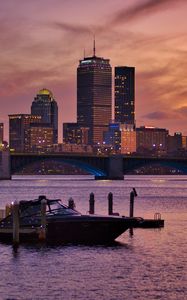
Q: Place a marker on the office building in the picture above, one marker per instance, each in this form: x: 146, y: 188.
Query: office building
x: 40, y: 137
x: 121, y: 137
x: 19, y: 126
x: 73, y: 148
x: 112, y: 137
x: 175, y: 143
x: 94, y: 96
x: 1, y: 133
x: 151, y: 139
x: 125, y: 95
x: 184, y: 142
x: 74, y: 134
x: 128, y: 138
x: 44, y: 105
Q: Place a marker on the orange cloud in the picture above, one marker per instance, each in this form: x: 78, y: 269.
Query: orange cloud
x: 142, y: 9
x: 40, y: 50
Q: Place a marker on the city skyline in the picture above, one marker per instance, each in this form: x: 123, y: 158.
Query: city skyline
x: 42, y: 50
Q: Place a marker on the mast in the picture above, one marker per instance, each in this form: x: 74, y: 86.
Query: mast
x: 94, y: 50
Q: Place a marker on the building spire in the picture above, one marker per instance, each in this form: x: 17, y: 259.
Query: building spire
x: 94, y: 46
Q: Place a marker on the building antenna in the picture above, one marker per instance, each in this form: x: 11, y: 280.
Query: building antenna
x: 94, y: 46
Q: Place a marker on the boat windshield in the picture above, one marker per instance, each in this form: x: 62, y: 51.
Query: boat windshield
x: 56, y: 207
x: 30, y: 212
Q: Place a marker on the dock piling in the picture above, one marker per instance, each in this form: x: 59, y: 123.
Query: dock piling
x: 92, y: 204
x: 8, y: 209
x: 133, y: 194
x: 71, y: 203
x: 15, y: 215
x: 110, y: 203
x: 42, y: 234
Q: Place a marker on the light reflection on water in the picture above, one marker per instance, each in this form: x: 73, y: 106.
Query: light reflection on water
x: 150, y: 265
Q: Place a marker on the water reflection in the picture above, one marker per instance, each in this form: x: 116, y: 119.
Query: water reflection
x: 150, y: 264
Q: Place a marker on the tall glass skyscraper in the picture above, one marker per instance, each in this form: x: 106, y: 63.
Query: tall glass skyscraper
x: 94, y: 96
x: 125, y: 95
x: 44, y: 105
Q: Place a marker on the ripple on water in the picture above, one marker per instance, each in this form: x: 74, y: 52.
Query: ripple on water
x: 149, y: 265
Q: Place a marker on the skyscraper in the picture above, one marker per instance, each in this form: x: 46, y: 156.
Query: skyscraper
x: 125, y: 95
x: 94, y: 96
x: 45, y: 106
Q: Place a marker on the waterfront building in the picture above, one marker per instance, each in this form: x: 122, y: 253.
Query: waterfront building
x: 128, y: 138
x: 151, y: 139
x: 19, y: 125
x: 184, y: 142
x: 75, y: 134
x: 125, y: 95
x: 44, y: 105
x: 175, y: 143
x: 121, y: 137
x: 94, y: 96
x: 112, y: 137
x: 72, y: 148
x: 40, y: 137
x: 178, y: 140
x: 1, y: 133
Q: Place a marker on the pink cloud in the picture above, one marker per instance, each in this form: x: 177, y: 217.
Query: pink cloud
x: 43, y: 50
x: 143, y: 9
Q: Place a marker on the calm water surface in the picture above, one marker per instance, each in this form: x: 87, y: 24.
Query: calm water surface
x: 150, y: 265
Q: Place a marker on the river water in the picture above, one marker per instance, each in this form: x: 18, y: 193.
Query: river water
x: 151, y: 264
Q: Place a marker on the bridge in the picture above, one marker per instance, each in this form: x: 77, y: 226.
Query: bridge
x: 102, y: 166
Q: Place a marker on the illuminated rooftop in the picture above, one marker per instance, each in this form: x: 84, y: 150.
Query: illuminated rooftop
x: 45, y: 91
x: 94, y: 60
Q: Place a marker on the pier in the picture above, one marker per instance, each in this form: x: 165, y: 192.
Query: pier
x: 156, y: 222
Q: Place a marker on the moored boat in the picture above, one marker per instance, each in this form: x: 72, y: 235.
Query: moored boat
x: 63, y: 224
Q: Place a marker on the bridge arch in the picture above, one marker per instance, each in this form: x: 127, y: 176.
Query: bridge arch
x: 46, y: 162
x: 173, y: 167
x: 110, y: 167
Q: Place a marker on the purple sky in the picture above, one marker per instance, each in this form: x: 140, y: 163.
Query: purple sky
x: 41, y: 42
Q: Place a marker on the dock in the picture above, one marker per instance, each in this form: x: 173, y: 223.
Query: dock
x: 149, y: 223
x: 38, y: 231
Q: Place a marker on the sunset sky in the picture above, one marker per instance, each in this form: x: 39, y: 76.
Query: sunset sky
x: 42, y: 41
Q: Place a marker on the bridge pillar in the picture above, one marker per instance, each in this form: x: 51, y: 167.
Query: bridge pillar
x: 5, y: 164
x: 114, y: 169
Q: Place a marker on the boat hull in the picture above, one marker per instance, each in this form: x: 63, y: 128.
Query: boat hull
x: 75, y: 230
x: 87, y: 229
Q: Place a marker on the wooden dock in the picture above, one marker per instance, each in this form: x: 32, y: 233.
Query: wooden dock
x: 149, y: 223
